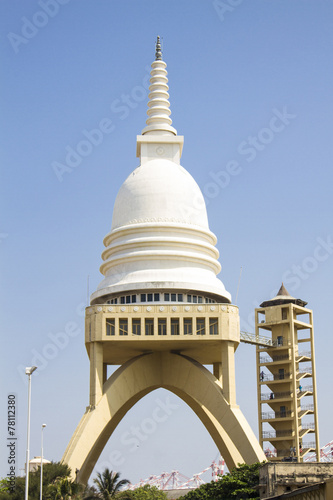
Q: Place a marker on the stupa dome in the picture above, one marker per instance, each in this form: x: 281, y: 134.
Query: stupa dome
x: 160, y: 238
x: 160, y: 191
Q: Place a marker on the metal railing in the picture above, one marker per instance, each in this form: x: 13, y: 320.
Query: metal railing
x: 277, y: 434
x: 274, y: 358
x: 306, y: 446
x: 261, y: 340
x: 307, y: 408
x: 308, y: 388
x: 265, y: 360
x: 306, y: 354
x: 308, y: 426
x: 277, y: 414
x: 275, y: 395
x: 266, y: 435
x: 306, y: 369
x: 252, y: 338
x: 274, y: 376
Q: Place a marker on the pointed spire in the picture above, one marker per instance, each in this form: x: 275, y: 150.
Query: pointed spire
x: 283, y: 297
x: 158, y: 51
x: 283, y: 292
x: 159, y: 121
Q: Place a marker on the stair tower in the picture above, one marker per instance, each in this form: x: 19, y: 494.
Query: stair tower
x: 286, y: 379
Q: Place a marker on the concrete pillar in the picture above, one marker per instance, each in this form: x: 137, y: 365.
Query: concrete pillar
x: 228, y: 372
x: 105, y: 372
x: 96, y: 372
x: 217, y: 370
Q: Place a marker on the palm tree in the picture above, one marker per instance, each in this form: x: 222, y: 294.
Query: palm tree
x: 108, y: 485
x: 63, y: 489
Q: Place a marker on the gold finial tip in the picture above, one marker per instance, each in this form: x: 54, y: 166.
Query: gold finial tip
x: 158, y: 50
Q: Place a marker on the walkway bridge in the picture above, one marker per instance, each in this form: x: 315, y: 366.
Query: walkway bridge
x: 252, y: 338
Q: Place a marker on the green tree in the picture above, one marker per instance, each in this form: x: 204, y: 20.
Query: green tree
x: 4, y: 484
x: 90, y: 492
x: 241, y: 483
x: 17, y: 494
x: 63, y: 488
x: 108, y: 484
x: 145, y: 492
x: 51, y: 472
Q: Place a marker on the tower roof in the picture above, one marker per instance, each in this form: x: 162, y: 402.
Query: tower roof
x: 283, y: 297
x: 283, y: 292
x: 160, y: 238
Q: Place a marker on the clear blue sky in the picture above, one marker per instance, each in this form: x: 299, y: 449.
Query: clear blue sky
x: 230, y: 74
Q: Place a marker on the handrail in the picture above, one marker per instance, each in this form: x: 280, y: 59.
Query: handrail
x: 252, y: 338
x: 307, y: 369
x: 277, y: 414
x: 305, y: 354
x: 274, y: 376
x: 308, y: 388
x: 275, y: 395
x: 277, y: 434
x: 274, y: 358
x: 307, y: 407
x: 305, y: 427
x: 309, y: 445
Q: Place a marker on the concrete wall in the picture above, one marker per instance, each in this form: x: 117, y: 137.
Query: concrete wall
x: 280, y: 477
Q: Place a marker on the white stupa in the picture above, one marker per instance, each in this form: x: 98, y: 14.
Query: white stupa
x: 160, y: 238
x: 161, y: 314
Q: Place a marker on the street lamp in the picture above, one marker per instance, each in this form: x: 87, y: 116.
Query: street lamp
x: 28, y: 371
x: 41, y: 464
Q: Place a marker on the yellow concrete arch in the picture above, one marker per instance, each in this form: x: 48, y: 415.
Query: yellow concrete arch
x: 179, y: 374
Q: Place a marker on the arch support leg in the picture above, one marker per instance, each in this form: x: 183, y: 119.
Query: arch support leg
x: 183, y: 376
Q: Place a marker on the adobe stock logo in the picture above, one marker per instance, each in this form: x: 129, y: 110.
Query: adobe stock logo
x: 297, y: 273
x: 223, y: 7
x: 30, y: 28
x: 3, y: 236
x: 302, y: 271
x: 247, y: 150
x: 53, y: 345
x: 121, y: 108
x: 138, y: 434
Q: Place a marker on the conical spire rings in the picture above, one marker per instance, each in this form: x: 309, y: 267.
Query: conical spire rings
x: 158, y: 51
x: 159, y: 121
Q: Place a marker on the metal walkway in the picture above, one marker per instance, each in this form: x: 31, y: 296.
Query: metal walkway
x: 252, y: 338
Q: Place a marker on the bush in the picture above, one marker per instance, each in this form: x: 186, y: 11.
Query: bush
x: 241, y: 483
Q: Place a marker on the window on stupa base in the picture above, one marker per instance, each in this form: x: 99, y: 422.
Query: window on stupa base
x: 136, y: 326
x: 201, y: 326
x: 161, y: 326
x: 188, y: 326
x: 174, y: 326
x: 110, y: 327
x: 213, y: 326
x: 149, y: 326
x: 123, y: 327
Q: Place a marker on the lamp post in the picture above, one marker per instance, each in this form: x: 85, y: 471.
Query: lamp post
x: 28, y: 371
x: 41, y: 464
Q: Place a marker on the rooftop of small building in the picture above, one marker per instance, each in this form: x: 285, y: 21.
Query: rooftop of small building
x: 283, y: 297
